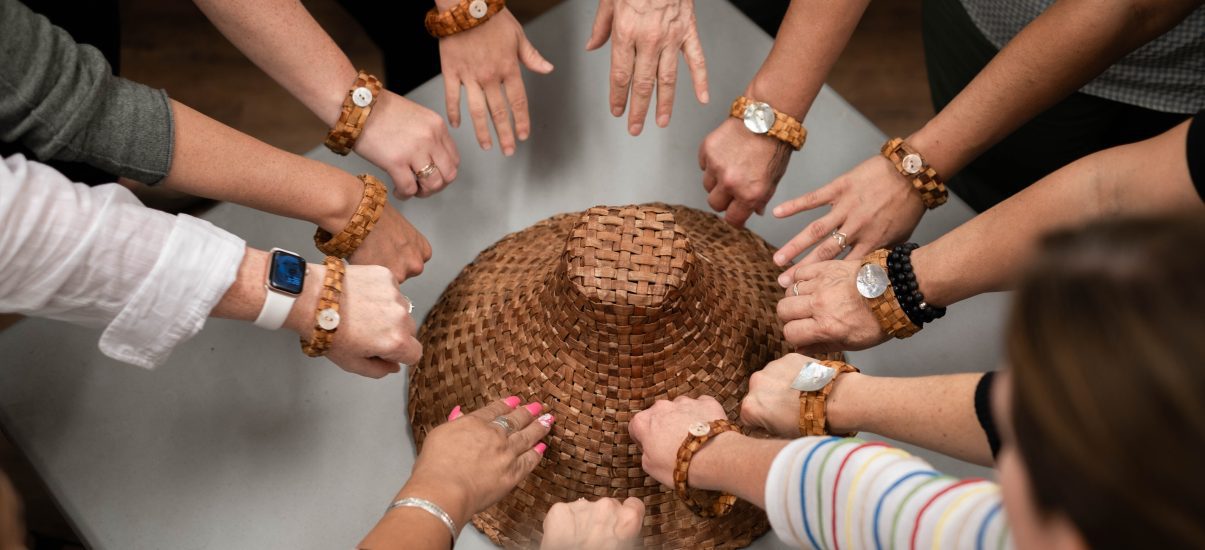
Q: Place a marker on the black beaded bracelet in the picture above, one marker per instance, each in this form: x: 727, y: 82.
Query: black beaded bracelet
x: 903, y: 282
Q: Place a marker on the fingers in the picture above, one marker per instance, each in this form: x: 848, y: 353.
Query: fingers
x: 796, y: 307
x: 430, y: 183
x: 692, y: 49
x: 479, y: 114
x: 501, y: 116
x: 452, y: 95
x: 828, y: 249
x: 815, y: 199
x: 517, y: 95
x: 521, y: 417
x: 602, y: 25
x: 404, y: 348
x: 709, y: 181
x: 719, y: 199
x: 803, y: 332
x: 738, y: 213
x: 623, y: 57
x: 812, y: 234
x: 369, y: 367
x: 531, y: 57
x: 644, y: 79
x: 531, y: 434
x: 404, y: 183
x: 667, y: 78
x: 444, y: 174
x: 528, y: 461
x: 496, y: 409
x: 859, y: 251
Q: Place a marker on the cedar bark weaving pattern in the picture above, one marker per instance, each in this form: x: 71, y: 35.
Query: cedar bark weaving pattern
x: 598, y: 315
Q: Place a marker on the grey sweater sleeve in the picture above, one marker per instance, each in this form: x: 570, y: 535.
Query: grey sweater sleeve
x: 61, y: 100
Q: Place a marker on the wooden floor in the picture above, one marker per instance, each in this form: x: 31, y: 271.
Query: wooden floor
x: 169, y: 44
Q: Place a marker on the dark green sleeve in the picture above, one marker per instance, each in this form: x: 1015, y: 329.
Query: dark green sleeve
x: 61, y: 100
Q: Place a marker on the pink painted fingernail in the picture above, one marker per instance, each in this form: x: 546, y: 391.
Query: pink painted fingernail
x: 534, y: 408
x: 455, y: 413
x: 540, y: 448
x: 546, y: 420
x: 512, y: 401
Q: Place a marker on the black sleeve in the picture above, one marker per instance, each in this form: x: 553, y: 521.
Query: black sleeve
x: 983, y: 411
x: 1196, y: 153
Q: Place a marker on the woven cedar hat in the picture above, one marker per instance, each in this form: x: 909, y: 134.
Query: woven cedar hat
x: 598, y: 315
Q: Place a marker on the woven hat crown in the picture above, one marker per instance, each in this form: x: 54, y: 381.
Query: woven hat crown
x: 628, y: 256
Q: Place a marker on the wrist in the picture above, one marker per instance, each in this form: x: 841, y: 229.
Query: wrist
x: 341, y: 200
x: 709, y: 464
x: 927, y: 279
x: 301, y: 316
x: 939, y: 151
x: 452, y: 499
x: 767, y: 88
x: 841, y: 414
x: 445, y: 5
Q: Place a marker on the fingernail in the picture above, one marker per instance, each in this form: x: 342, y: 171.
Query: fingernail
x: 508, y: 151
x: 663, y: 121
x: 512, y: 401
x: 635, y: 128
x: 778, y: 259
x: 777, y: 210
x: 616, y: 111
x: 455, y: 413
x: 540, y: 448
x: 546, y: 420
x: 783, y: 280
x: 487, y: 146
x: 706, y: 97
x: 523, y: 135
x: 534, y: 408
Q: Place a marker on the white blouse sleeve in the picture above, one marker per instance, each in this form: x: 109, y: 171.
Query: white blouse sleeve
x: 96, y: 256
x: 831, y: 493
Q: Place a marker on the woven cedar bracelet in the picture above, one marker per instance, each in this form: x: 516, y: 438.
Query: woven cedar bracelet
x: 812, y: 404
x: 462, y: 17
x: 332, y: 291
x: 352, y: 117
x: 926, y: 181
x: 886, y: 307
x: 723, y: 503
x: 786, y: 128
x: 359, y: 226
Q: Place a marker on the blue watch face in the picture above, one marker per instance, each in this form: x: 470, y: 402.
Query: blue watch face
x: 287, y: 272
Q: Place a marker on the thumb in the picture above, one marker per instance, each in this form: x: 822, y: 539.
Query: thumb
x: 602, y: 25
x: 370, y: 367
x: 532, y: 58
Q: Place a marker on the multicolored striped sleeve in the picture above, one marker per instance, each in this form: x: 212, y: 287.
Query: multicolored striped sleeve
x: 833, y: 493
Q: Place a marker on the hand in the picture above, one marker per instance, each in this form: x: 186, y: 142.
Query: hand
x: 486, y: 61
x: 646, y: 38
x: 473, y: 463
x: 828, y: 314
x: 403, y: 137
x: 604, y: 524
x: 395, y: 244
x: 741, y: 170
x: 772, y: 404
x: 873, y: 205
x: 661, y: 429
x: 376, y: 331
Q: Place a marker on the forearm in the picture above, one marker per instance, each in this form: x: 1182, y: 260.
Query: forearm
x: 284, y: 40
x: 218, y: 162
x: 933, y: 412
x: 989, y: 252
x: 1064, y: 48
x: 735, y: 464
x: 812, y: 35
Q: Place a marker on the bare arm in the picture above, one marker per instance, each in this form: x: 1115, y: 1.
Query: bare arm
x: 284, y: 40
x: 741, y: 169
x: 934, y: 412
x: 987, y: 253
x: 1026, y: 78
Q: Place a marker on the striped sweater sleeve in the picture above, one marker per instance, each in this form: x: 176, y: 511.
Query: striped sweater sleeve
x: 833, y: 493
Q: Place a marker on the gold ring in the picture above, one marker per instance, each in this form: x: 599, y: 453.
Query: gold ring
x: 426, y: 171
x: 795, y: 288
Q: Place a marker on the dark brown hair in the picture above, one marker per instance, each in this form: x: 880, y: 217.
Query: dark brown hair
x: 1107, y: 346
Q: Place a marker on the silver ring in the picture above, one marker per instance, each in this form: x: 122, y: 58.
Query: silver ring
x: 795, y: 288
x: 504, y: 423
x: 426, y: 171
x: 841, y: 238
x: 409, y: 301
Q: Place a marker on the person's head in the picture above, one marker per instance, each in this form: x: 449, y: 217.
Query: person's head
x: 1105, y: 426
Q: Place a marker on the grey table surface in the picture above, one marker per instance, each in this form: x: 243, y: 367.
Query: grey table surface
x: 240, y: 441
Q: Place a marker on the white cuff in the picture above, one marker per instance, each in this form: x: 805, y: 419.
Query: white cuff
x: 198, y: 264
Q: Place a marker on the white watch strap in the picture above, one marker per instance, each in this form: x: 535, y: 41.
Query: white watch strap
x: 276, y: 310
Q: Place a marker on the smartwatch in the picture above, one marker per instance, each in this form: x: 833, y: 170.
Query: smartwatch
x: 286, y: 278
